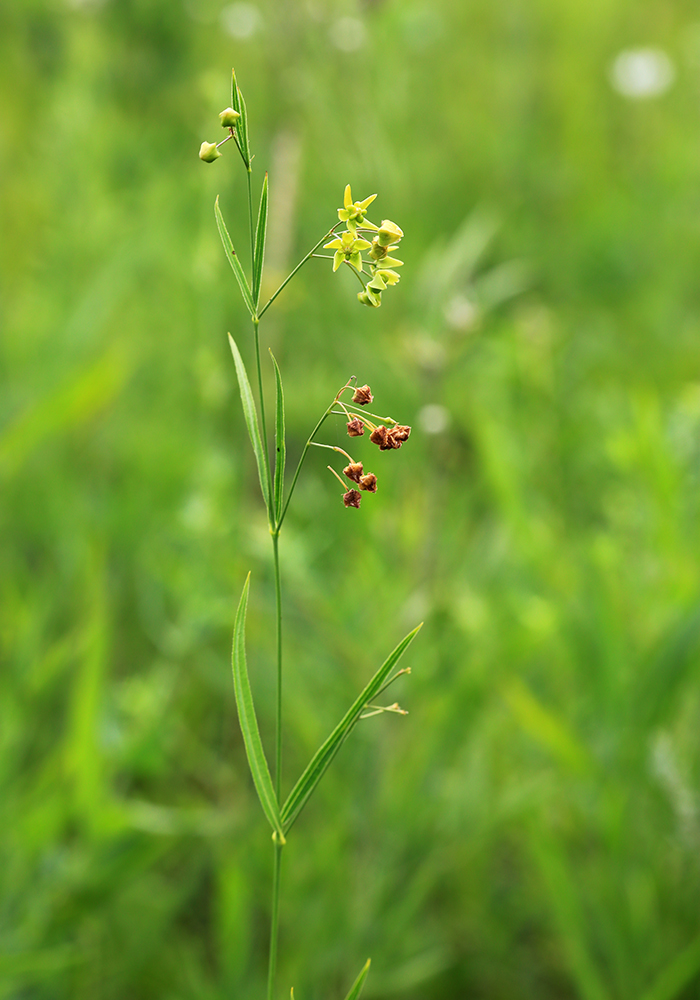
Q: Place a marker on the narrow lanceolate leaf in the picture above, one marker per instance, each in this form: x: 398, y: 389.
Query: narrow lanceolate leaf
x: 280, y: 446
x: 251, y: 418
x: 249, y: 723
x: 359, y: 982
x: 233, y: 259
x: 302, y: 791
x: 260, y: 234
x: 238, y: 104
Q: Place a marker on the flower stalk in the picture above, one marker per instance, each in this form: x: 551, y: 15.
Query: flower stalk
x: 369, y: 260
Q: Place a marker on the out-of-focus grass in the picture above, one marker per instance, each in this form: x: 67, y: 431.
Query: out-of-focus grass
x: 531, y: 830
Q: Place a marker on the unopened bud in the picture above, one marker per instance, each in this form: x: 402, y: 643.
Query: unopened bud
x: 353, y: 471
x: 229, y: 117
x: 368, y: 482
x: 355, y: 428
x: 208, y: 152
x: 362, y: 395
x: 377, y: 252
x: 369, y: 298
x: 388, y: 233
x: 352, y: 498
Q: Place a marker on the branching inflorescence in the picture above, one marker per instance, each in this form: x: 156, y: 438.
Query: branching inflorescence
x: 366, y: 249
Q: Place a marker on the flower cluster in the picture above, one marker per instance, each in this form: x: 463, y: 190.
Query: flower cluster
x: 385, y: 433
x: 350, y: 245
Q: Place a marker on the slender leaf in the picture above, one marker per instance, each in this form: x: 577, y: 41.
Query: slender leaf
x: 238, y: 104
x: 233, y: 259
x: 359, y: 982
x: 302, y: 791
x: 280, y: 445
x: 260, y: 234
x: 251, y: 418
x: 249, y: 723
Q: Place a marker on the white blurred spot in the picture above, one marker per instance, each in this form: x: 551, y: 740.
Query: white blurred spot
x: 460, y: 313
x: 241, y: 20
x: 640, y: 73
x: 433, y: 418
x: 429, y: 353
x: 347, y: 34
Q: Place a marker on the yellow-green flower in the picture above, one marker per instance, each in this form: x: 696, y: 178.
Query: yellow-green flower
x: 388, y: 233
x: 348, y: 247
x: 354, y: 212
x: 388, y: 276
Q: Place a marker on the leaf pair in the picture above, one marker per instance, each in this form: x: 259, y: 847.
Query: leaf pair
x: 272, y: 501
x: 282, y: 819
x: 251, y: 297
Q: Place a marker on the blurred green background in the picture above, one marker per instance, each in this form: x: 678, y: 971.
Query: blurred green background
x: 531, y: 830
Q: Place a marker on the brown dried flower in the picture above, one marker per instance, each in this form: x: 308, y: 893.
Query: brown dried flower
x: 362, y: 395
x: 400, y: 432
x: 368, y: 482
x: 378, y: 436
x: 355, y: 427
x: 352, y: 498
x: 354, y: 471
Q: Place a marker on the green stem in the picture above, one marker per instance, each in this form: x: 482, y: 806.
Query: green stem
x: 278, y: 607
x: 300, y: 264
x: 274, y: 921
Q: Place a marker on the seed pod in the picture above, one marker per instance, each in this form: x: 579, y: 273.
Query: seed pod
x: 362, y: 395
x: 352, y: 498
x: 368, y: 482
x: 353, y: 471
x: 355, y: 428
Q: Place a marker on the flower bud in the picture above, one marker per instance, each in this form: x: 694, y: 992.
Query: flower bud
x: 377, y: 251
x: 388, y: 233
x: 208, y: 152
x: 355, y: 428
x: 362, y: 395
x: 369, y: 298
x: 352, y: 498
x: 368, y: 482
x: 229, y: 117
x: 353, y: 471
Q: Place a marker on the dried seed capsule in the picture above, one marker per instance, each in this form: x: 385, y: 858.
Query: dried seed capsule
x: 368, y: 482
x: 378, y: 436
x: 352, y: 498
x: 400, y: 432
x: 355, y: 428
x: 353, y: 471
x: 362, y: 395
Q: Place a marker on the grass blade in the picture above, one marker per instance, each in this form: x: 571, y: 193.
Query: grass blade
x: 280, y: 446
x: 302, y: 791
x: 359, y: 982
x: 233, y: 259
x: 238, y: 104
x: 249, y: 723
x: 251, y: 418
x: 260, y: 235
